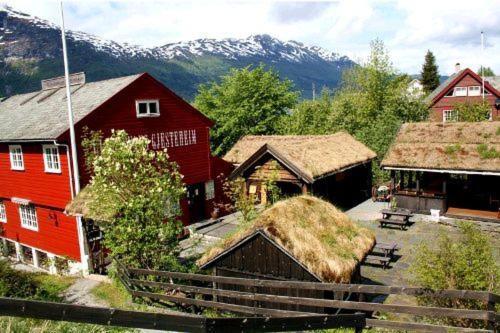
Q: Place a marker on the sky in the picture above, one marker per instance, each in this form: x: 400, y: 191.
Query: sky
x: 450, y: 29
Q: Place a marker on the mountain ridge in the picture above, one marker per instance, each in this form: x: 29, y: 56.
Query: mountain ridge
x: 30, y: 49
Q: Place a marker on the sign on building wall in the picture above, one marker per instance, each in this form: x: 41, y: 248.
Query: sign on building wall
x: 162, y: 140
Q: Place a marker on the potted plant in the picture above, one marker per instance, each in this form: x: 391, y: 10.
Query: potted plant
x: 215, y: 213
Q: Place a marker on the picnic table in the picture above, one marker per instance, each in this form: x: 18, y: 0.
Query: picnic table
x: 387, y: 249
x: 400, y: 217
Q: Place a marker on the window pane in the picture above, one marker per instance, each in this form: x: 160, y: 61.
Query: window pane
x: 474, y: 91
x: 152, y: 108
x: 460, y: 91
x: 143, y: 108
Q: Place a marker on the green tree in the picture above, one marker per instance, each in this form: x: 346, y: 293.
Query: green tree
x: 466, y: 263
x: 246, y: 101
x: 136, y: 191
x: 473, y: 111
x: 309, y: 116
x: 487, y: 71
x: 371, y: 104
x: 429, y: 74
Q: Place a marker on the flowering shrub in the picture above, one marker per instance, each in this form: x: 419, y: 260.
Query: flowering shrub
x: 140, y: 190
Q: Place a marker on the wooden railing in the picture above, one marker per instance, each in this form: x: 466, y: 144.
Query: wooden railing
x: 140, y: 283
x: 171, y: 322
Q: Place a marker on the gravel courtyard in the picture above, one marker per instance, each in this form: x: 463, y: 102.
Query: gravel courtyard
x: 421, y: 231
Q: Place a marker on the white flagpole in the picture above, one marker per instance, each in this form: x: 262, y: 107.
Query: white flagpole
x: 482, y: 61
x: 74, y: 156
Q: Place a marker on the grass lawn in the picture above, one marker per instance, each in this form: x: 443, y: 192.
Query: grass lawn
x: 19, y: 325
x: 115, y: 295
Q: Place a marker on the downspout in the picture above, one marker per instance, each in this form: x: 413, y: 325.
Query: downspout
x: 82, y: 244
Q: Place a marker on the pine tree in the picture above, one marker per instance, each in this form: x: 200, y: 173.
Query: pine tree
x: 430, y: 75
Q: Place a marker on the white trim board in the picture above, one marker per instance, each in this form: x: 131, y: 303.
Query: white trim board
x: 465, y: 172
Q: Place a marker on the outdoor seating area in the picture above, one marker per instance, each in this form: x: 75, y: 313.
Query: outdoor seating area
x: 399, y: 217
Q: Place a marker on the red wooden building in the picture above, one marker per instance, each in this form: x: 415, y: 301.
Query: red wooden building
x: 35, y: 172
x: 463, y: 86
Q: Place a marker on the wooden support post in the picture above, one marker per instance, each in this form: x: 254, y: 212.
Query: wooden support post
x: 393, y: 180
x: 305, y: 188
x: 417, y: 177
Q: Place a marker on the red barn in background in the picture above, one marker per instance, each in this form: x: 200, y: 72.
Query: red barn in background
x: 463, y: 86
x: 35, y: 168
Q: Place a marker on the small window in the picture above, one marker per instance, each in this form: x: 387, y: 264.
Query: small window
x: 474, y: 91
x: 28, y: 217
x: 450, y: 116
x: 147, y: 108
x: 16, y: 157
x: 209, y: 190
x: 460, y: 91
x: 51, y: 158
x: 3, y: 213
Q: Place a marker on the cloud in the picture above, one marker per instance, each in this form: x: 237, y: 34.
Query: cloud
x: 290, y: 12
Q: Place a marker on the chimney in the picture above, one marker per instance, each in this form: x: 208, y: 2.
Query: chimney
x: 59, y: 82
x: 457, y: 67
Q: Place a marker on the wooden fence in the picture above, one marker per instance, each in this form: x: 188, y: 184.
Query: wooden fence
x: 158, y: 285
x: 171, y: 322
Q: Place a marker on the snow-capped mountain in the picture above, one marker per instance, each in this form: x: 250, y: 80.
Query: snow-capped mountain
x: 35, y: 43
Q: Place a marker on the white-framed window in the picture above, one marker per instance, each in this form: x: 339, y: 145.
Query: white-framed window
x: 51, y: 158
x: 474, y: 90
x: 147, y: 108
x: 16, y: 157
x: 460, y: 91
x: 3, y: 213
x: 450, y: 115
x: 28, y: 217
x: 209, y: 190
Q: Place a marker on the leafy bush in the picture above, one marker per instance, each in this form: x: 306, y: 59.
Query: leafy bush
x: 466, y: 263
x: 15, y: 283
x: 473, y: 111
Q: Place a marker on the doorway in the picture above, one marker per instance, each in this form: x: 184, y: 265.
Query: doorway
x: 196, y: 202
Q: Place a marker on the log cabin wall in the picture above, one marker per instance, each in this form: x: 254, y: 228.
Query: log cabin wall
x: 259, y: 258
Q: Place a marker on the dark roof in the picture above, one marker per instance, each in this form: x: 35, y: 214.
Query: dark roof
x: 491, y: 84
x: 442, y: 86
x: 42, y: 115
x: 494, y: 81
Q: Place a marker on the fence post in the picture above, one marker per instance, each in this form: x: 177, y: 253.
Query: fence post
x: 359, y: 329
x: 491, y: 324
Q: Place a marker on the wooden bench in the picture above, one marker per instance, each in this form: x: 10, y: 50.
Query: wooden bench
x: 382, y: 261
x: 402, y: 223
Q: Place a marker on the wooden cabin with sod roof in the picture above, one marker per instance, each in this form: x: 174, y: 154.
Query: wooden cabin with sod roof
x: 302, y: 238
x: 335, y: 167
x: 450, y: 167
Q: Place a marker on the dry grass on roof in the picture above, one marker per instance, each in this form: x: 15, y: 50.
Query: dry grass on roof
x: 450, y: 146
x: 314, y: 232
x: 315, y: 155
x: 79, y: 206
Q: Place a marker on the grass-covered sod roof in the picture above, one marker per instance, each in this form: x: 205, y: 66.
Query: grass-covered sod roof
x: 471, y: 146
x: 319, y: 236
x: 314, y: 155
